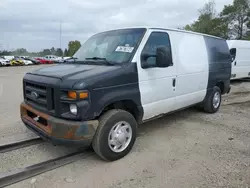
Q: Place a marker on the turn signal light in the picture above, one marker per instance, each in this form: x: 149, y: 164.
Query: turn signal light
x: 83, y: 95
x: 73, y: 95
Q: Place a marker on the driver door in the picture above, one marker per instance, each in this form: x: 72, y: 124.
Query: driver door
x: 157, y: 85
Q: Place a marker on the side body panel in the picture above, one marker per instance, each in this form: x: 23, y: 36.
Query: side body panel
x: 191, y: 60
x: 190, y: 69
x: 199, y: 63
x: 219, y: 63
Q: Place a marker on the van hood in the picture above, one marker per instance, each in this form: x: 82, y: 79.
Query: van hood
x: 85, y: 76
x: 70, y: 71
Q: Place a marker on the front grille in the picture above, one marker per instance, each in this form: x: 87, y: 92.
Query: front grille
x: 39, y: 96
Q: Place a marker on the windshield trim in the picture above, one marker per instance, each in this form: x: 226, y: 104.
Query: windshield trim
x: 137, y: 46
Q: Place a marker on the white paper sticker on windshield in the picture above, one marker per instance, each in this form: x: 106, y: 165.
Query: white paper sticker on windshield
x: 127, y: 49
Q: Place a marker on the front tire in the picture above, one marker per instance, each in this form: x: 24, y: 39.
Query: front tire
x: 115, y: 135
x: 213, y: 101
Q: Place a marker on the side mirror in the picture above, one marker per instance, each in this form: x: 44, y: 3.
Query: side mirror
x: 144, y: 63
x: 163, y: 57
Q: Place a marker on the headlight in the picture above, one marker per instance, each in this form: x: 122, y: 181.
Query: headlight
x: 73, y: 109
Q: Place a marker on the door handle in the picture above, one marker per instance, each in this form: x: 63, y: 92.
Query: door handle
x: 174, y: 82
x: 235, y: 63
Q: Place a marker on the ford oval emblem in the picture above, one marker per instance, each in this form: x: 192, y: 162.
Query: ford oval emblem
x: 34, y: 95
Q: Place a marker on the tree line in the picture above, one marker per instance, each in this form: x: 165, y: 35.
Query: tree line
x: 233, y: 22
x: 73, y: 46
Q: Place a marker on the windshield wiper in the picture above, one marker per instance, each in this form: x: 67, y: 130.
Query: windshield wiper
x: 102, y: 59
x: 96, y: 58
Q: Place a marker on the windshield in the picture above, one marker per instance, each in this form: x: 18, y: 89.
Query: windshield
x: 114, y: 46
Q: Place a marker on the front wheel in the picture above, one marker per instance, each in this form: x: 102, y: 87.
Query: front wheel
x: 115, y: 135
x: 213, y: 100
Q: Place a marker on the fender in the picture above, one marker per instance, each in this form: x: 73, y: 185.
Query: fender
x: 101, y: 98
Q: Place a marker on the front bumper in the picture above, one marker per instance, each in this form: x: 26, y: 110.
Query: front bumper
x: 58, y: 131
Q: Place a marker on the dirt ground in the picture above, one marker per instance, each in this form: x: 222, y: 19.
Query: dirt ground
x: 185, y: 149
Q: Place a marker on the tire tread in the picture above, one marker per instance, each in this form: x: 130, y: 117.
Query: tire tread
x: 207, y: 104
x: 102, y: 122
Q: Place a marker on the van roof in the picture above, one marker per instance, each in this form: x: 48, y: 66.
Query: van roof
x: 170, y: 29
x: 238, y: 43
x: 185, y: 31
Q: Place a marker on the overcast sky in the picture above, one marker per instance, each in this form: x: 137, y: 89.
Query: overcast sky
x: 35, y: 24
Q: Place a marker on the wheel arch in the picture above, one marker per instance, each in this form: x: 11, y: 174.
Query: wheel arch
x: 125, y: 104
x: 221, y: 85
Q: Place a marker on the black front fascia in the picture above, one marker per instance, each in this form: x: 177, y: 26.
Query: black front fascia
x: 119, y: 83
x: 114, y: 86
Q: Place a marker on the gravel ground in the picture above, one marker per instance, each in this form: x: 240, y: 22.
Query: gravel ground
x: 186, y: 149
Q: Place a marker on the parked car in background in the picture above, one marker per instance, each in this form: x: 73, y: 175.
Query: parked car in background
x: 59, y: 61
x: 44, y: 61
x: 69, y: 59
x: 33, y: 60
x: 4, y: 62
x: 16, y: 61
x: 26, y: 62
x: 53, y: 57
x: 8, y: 57
x: 63, y: 60
x: 23, y: 57
x: 240, y: 52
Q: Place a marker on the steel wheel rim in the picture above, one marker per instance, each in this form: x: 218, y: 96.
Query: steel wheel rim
x: 216, y: 100
x: 120, y: 136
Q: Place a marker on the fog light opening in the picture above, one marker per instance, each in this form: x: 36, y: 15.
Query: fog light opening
x: 73, y: 109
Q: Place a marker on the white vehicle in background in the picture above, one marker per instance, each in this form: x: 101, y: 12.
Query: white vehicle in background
x: 4, y: 62
x: 24, y: 56
x: 53, y: 57
x: 65, y: 58
x: 26, y: 62
x: 50, y: 57
x: 240, y: 51
x: 9, y: 57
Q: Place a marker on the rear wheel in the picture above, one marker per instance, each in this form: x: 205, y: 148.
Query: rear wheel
x: 213, y: 101
x: 116, y: 135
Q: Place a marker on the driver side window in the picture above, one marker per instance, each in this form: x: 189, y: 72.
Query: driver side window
x: 155, y: 40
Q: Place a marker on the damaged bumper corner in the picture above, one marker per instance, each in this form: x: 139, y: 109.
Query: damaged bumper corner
x: 58, y: 131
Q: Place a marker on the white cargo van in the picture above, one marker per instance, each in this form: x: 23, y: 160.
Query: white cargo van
x: 121, y: 78
x: 240, y: 51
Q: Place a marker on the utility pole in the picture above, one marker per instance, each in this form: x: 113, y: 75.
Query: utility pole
x: 61, y: 34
